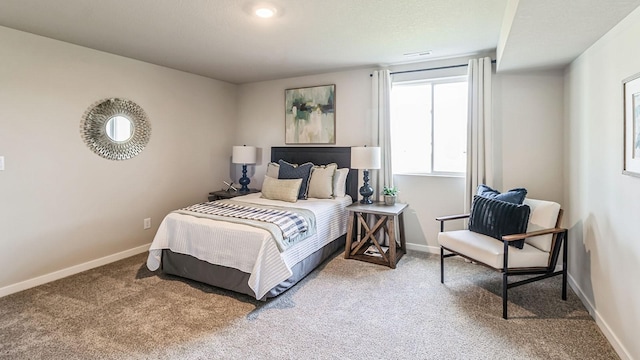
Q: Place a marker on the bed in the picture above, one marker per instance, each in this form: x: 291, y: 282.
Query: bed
x: 243, y: 258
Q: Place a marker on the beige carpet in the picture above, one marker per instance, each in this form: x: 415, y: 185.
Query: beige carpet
x: 346, y: 309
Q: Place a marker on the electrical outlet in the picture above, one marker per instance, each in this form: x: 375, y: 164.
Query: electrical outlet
x: 147, y: 223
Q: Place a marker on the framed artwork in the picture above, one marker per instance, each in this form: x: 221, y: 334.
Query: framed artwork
x: 310, y: 115
x: 631, y: 90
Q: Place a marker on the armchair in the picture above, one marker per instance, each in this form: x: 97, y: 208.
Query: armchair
x: 539, y: 254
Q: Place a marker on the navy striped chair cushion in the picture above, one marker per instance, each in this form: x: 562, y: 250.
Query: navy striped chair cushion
x: 497, y: 218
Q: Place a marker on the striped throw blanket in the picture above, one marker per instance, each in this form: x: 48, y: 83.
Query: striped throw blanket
x: 290, y: 223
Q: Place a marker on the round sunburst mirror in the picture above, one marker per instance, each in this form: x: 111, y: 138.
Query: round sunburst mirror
x: 116, y: 129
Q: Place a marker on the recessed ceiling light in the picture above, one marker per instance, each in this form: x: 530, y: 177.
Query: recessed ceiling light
x: 265, y: 12
x: 263, y: 9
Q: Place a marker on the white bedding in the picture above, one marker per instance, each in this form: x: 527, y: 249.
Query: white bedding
x: 247, y: 248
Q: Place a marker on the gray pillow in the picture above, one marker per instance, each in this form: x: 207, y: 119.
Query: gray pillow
x: 291, y: 171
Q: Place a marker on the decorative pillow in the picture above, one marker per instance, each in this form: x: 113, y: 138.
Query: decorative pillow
x: 496, y: 218
x: 291, y: 171
x: 514, y: 196
x: 321, y: 181
x: 340, y: 182
x: 285, y: 190
x: 273, y: 169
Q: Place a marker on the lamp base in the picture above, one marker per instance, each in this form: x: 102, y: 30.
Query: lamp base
x: 366, y: 190
x: 244, y: 180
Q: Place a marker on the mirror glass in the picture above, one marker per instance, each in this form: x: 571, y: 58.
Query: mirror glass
x: 119, y: 128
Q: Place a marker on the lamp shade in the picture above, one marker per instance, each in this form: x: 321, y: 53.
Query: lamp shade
x: 243, y: 155
x: 365, y: 157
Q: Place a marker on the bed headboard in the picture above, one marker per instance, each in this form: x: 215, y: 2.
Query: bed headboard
x: 320, y: 155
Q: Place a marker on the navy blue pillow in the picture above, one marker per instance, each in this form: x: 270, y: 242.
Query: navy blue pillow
x: 290, y: 171
x: 514, y: 196
x: 497, y: 218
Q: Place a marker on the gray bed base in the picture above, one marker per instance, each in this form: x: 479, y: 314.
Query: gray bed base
x: 189, y: 267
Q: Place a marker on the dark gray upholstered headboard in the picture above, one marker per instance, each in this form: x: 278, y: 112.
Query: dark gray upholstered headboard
x: 320, y: 155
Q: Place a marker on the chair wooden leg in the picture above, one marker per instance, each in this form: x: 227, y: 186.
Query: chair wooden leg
x: 441, y: 265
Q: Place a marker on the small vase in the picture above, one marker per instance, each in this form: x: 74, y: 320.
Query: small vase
x: 389, y: 200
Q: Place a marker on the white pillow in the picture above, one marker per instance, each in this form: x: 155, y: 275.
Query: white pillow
x: 281, y: 189
x: 340, y: 182
x: 273, y: 169
x: 321, y: 181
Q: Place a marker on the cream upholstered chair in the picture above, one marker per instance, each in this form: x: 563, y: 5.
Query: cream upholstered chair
x: 543, y: 239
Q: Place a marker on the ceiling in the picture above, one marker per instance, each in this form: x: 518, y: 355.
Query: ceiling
x: 221, y: 39
x: 551, y: 33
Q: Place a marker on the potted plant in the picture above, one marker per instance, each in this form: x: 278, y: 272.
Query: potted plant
x: 389, y: 195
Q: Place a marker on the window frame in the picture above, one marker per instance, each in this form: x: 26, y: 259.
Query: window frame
x: 432, y: 82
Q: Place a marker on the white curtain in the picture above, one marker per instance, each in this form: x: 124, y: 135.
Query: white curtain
x: 381, y: 124
x: 479, y: 128
x: 381, y: 135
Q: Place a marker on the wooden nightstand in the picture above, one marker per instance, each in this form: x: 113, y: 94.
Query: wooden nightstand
x: 223, y: 194
x: 367, y: 247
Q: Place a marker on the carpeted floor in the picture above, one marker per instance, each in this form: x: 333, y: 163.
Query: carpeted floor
x: 346, y: 309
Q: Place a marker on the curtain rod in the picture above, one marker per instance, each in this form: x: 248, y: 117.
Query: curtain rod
x: 429, y: 69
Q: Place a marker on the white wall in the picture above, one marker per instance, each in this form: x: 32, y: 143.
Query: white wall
x: 61, y: 205
x: 261, y: 112
x: 528, y: 114
x: 604, y: 246
x: 527, y: 107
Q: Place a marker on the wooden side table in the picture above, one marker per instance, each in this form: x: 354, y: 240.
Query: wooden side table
x: 384, y: 218
x: 224, y: 194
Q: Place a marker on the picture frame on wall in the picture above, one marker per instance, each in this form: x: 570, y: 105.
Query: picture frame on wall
x: 310, y: 115
x: 631, y: 91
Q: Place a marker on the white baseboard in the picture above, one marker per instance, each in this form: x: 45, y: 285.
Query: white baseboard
x: 56, y: 275
x: 604, y: 327
x: 424, y: 248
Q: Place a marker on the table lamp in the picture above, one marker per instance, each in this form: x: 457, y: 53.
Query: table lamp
x: 244, y: 155
x: 365, y: 158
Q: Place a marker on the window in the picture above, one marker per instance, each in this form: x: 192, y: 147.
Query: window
x: 429, y: 126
